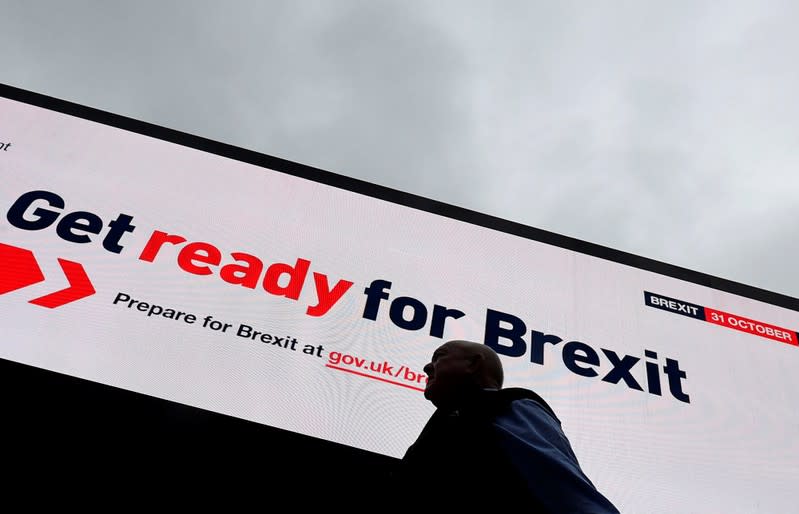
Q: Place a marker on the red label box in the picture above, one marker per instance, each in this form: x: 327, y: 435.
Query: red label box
x: 751, y: 326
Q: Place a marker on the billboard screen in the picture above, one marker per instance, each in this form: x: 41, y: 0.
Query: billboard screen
x: 144, y: 268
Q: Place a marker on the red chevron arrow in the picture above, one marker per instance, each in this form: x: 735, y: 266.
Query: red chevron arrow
x: 18, y: 269
x: 79, y: 287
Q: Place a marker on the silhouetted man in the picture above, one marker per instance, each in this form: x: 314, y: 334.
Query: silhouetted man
x: 490, y: 447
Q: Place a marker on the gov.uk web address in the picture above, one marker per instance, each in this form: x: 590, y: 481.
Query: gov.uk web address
x: 383, y: 371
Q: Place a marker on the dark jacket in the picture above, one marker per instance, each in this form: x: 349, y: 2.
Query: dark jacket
x: 505, y: 448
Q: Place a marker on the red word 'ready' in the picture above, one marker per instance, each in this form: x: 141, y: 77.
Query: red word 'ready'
x: 246, y: 270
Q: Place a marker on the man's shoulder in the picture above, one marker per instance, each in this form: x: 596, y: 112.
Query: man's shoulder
x: 520, y: 398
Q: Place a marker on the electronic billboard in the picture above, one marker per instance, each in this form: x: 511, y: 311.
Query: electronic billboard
x: 167, y: 300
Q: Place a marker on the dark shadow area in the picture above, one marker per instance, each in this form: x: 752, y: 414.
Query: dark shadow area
x: 65, y: 438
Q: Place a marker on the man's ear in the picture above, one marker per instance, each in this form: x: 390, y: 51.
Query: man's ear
x: 476, y: 362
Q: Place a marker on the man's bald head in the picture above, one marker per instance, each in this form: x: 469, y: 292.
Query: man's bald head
x: 458, y: 368
x: 490, y: 374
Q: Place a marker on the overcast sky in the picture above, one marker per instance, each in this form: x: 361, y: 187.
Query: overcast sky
x: 667, y: 129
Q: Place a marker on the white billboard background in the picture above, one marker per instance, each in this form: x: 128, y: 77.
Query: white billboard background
x: 731, y: 449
